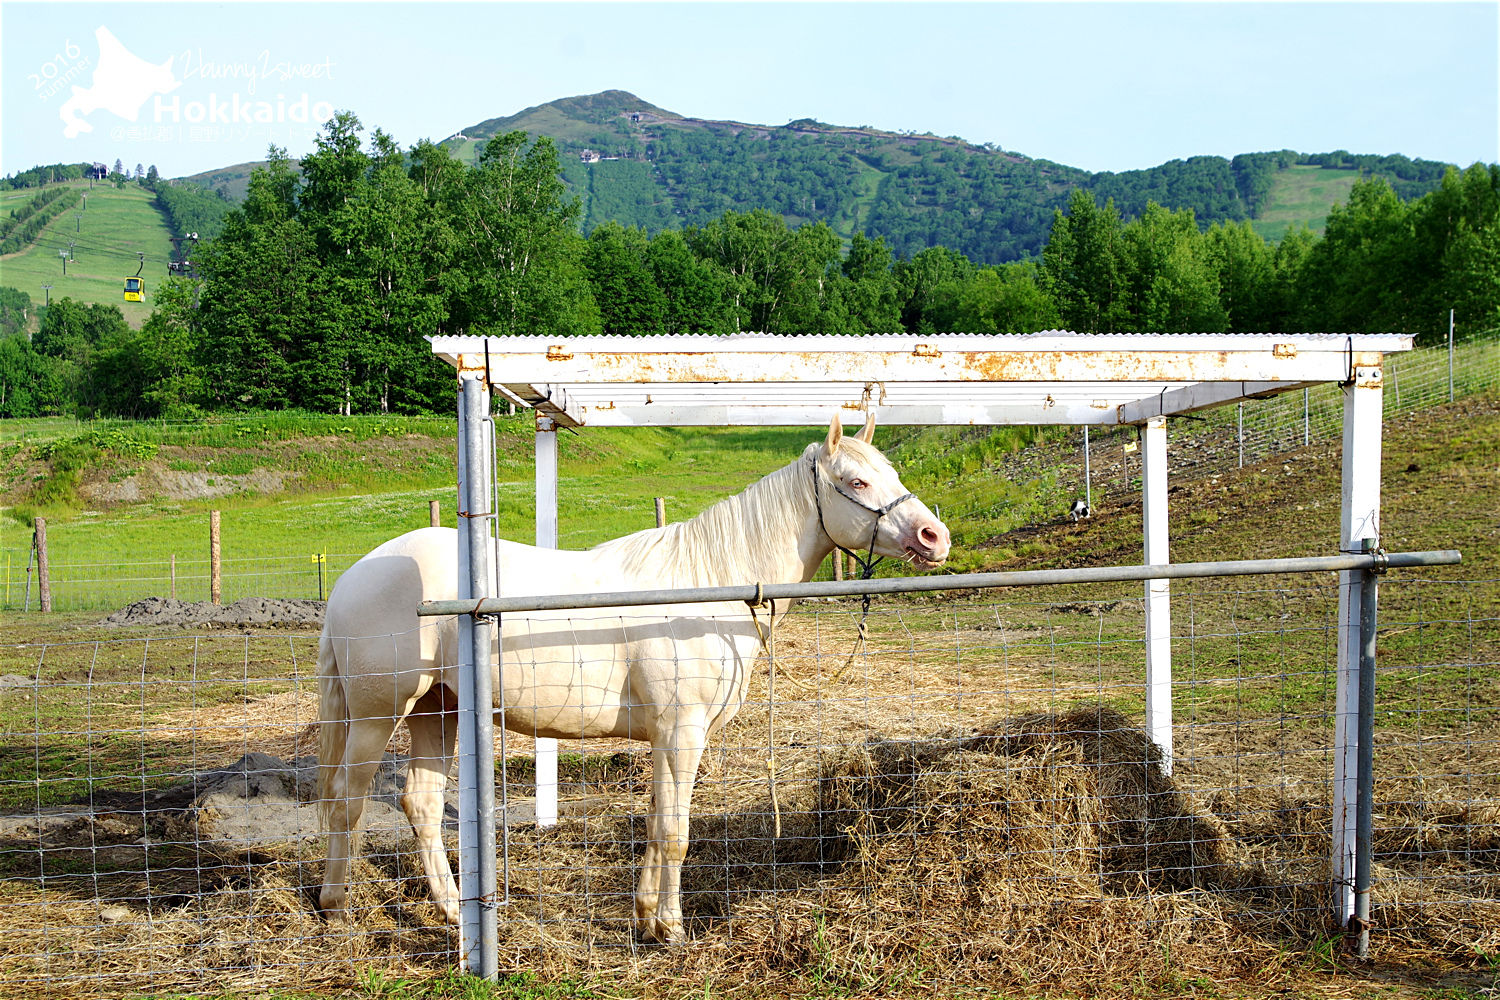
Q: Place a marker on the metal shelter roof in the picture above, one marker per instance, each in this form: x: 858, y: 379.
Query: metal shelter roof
x: 1055, y: 377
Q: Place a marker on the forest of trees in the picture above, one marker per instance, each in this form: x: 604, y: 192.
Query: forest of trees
x: 319, y: 289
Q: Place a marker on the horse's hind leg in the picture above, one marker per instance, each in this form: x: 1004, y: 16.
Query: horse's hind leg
x: 346, y: 791
x: 434, y: 733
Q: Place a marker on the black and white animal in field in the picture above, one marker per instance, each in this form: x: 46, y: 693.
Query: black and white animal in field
x: 1078, y: 511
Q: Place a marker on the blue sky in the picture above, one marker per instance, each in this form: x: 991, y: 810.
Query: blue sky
x: 1103, y: 86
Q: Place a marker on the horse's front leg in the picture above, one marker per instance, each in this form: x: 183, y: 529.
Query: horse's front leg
x: 658, y: 901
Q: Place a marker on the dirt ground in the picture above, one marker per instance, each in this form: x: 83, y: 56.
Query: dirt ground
x: 253, y: 612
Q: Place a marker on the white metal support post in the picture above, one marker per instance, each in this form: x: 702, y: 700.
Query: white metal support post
x: 1359, y: 520
x: 546, y: 537
x: 1158, y: 592
x: 478, y: 929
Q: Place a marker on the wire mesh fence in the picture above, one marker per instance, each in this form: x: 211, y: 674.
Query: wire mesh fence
x: 969, y: 793
x: 1215, y: 441
x: 1208, y: 444
x: 81, y: 586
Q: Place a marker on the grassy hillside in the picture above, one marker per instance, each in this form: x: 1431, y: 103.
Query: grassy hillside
x: 109, y: 230
x: 1302, y: 195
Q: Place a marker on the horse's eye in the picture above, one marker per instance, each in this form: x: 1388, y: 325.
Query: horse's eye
x: 857, y: 484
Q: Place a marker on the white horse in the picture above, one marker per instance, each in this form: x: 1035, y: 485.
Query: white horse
x: 670, y: 675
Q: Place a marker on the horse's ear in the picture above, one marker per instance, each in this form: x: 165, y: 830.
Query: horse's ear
x: 835, y: 434
x: 868, y: 433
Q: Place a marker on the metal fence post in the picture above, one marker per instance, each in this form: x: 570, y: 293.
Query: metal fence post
x: 478, y: 941
x: 1359, y: 924
x: 43, y: 566
x: 1359, y: 520
x: 544, y: 753
x: 1088, y: 474
x: 30, y: 561
x: 1450, y: 355
x: 1158, y: 591
x: 1239, y: 433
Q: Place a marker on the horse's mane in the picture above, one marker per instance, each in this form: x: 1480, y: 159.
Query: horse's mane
x: 729, y: 542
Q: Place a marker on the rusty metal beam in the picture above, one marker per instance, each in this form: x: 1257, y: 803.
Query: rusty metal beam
x: 1053, y: 378
x: 553, y: 401
x: 1203, y: 396
x: 753, y: 414
x: 1225, y: 365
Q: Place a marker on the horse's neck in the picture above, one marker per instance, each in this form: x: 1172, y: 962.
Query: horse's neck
x: 766, y: 534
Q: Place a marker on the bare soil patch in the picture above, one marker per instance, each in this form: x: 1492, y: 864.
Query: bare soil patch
x: 257, y: 612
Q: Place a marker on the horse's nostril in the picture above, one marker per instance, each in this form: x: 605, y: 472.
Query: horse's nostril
x: 928, y: 536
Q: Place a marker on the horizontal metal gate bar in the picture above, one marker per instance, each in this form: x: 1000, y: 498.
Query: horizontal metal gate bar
x: 963, y: 581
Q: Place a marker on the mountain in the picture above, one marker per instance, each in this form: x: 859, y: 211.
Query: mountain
x: 629, y: 161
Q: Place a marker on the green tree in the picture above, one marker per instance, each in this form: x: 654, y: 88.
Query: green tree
x: 1171, y: 287
x: 1353, y: 280
x: 1081, y: 265
x: 1009, y: 298
x: 1244, y: 266
x: 872, y: 299
x: 33, y: 384
x: 1284, y: 308
x: 261, y: 293
x: 71, y: 333
x: 15, y: 311
x: 778, y: 278
x: 917, y: 280
x: 624, y: 287
x: 1472, y: 281
x: 153, y: 372
x: 520, y: 256
x: 695, y: 292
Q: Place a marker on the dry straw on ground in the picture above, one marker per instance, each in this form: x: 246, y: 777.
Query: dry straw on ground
x: 1040, y: 851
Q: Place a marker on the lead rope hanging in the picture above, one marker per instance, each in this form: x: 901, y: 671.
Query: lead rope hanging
x: 768, y: 643
x: 866, y: 565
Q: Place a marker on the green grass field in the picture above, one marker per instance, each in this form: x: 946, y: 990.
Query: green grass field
x: 1303, y: 195
x: 110, y: 229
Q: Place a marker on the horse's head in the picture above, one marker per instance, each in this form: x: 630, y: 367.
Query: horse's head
x: 859, y: 496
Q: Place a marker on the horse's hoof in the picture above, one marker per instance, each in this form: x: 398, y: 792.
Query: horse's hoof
x: 333, y: 905
x: 662, y: 932
x: 449, y: 912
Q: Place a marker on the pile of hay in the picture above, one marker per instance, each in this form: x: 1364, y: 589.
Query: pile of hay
x: 1034, y: 849
x: 1047, y: 851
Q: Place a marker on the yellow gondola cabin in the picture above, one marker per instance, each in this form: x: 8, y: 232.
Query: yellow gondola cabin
x: 135, y: 290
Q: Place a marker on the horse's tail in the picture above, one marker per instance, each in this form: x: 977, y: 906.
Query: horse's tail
x: 333, y: 724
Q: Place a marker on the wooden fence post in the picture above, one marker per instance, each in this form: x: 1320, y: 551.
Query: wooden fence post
x: 173, y: 592
x: 661, y: 512
x: 433, y: 516
x: 214, y: 581
x: 43, y: 573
